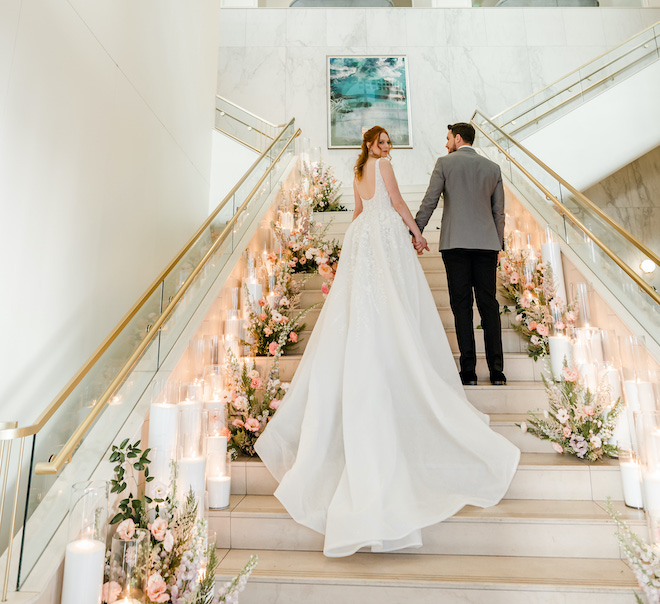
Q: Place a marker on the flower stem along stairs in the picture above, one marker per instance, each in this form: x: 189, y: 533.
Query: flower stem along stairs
x: 550, y: 540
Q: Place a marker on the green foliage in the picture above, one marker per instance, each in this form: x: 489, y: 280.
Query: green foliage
x: 129, y: 455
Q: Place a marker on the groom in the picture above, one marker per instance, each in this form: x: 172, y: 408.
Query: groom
x: 471, y: 237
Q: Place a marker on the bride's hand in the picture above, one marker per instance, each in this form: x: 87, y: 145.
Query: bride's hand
x: 420, y: 244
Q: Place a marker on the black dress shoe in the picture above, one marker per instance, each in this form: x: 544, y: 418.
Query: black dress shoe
x: 498, y: 379
x: 469, y: 379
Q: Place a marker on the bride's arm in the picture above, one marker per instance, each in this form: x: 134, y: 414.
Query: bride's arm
x: 400, y: 206
x: 358, y: 201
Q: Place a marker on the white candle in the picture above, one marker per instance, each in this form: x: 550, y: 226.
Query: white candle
x: 192, y: 474
x: 630, y: 392
x: 551, y: 254
x: 621, y: 432
x: 613, y: 378
x: 84, y: 563
x: 219, y: 489
x: 255, y: 290
x: 163, y: 425
x: 646, y: 396
x: 560, y: 350
x: 588, y: 375
x: 651, y: 482
x: 216, y: 455
x: 631, y: 478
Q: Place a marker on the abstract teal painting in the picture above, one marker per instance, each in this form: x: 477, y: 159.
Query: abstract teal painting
x: 365, y: 91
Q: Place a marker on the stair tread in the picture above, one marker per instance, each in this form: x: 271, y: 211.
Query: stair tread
x: 427, y: 570
x: 508, y: 510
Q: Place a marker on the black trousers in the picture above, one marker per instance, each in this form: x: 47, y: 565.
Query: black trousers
x: 468, y: 271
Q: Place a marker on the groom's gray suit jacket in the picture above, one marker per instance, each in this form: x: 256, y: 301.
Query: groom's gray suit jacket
x: 473, y: 214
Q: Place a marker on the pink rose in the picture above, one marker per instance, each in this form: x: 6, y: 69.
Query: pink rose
x: 589, y: 410
x: 514, y: 278
x: 569, y: 374
x: 293, y: 336
x: 542, y: 329
x: 532, y: 325
x: 224, y: 431
x: 252, y: 424
x: 567, y: 431
x: 126, y: 529
x: 557, y: 447
x: 272, y: 348
x: 111, y: 591
x: 158, y: 528
x: 238, y: 423
x: 256, y: 383
x: 274, y: 404
x: 325, y: 289
x: 157, y: 588
x: 168, y: 542
x: 524, y: 302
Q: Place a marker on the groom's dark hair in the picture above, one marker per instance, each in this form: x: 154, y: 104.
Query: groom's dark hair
x: 466, y: 131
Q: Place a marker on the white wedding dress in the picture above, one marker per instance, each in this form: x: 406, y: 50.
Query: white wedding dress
x: 375, y: 438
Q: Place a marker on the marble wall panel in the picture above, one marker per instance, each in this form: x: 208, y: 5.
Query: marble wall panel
x: 631, y: 196
x: 232, y: 28
x: 459, y: 59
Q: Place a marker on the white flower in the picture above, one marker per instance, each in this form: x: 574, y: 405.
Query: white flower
x: 523, y: 426
x: 534, y: 340
x: 546, y: 415
x: 253, y: 375
x: 285, y: 386
x: 519, y: 318
x: 241, y: 403
x: 562, y: 415
x: 158, y: 490
x: 277, y: 317
x: 168, y: 542
x: 595, y: 441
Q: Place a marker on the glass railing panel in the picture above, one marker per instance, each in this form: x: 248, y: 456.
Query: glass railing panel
x: 581, y: 85
x: 47, y: 502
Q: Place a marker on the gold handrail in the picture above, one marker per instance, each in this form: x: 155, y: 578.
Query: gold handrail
x: 53, y: 466
x: 248, y: 126
x: 238, y: 140
x: 261, y: 119
x: 570, y: 73
x: 564, y: 211
x: 649, y: 253
x: 96, y: 355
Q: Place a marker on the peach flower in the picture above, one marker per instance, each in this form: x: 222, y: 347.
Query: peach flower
x: 557, y: 447
x: 293, y: 336
x: 256, y: 383
x: 238, y: 423
x: 252, y: 424
x: 325, y: 289
x: 126, y: 529
x: 274, y: 404
x: 325, y: 271
x: 589, y: 410
x: 569, y: 374
x: 542, y: 329
x: 262, y: 302
x: 272, y: 348
x: 168, y: 542
x: 532, y: 325
x: 111, y: 591
x: 567, y: 432
x: 224, y: 431
x: 514, y: 278
x: 158, y: 528
x: 263, y: 316
x: 157, y: 588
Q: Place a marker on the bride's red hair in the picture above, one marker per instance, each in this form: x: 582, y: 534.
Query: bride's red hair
x: 371, y: 135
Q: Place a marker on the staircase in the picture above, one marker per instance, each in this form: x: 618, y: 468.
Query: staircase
x: 550, y: 540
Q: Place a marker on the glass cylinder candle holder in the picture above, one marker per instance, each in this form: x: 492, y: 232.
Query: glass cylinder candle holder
x: 583, y: 304
x: 214, y: 383
x: 631, y: 476
x: 129, y: 558
x: 191, y: 457
x: 84, y: 560
x: 218, y: 477
x: 561, y: 354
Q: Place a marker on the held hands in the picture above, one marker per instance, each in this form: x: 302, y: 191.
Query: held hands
x: 420, y: 244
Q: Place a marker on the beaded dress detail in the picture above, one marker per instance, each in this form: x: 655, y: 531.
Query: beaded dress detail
x: 375, y: 438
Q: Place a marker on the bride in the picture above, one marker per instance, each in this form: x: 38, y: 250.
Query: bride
x: 375, y: 438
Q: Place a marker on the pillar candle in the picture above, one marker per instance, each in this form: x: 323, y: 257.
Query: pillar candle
x: 551, y: 254
x: 84, y: 563
x: 255, y: 290
x: 192, y: 474
x: 218, y: 492
x: 631, y: 478
x: 163, y: 425
x: 216, y: 454
x: 560, y: 349
x: 651, y: 482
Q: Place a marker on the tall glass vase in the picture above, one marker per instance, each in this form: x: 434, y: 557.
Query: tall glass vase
x: 129, y: 560
x: 84, y: 560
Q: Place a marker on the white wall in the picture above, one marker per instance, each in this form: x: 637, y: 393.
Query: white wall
x: 273, y: 62
x: 230, y: 161
x: 106, y: 111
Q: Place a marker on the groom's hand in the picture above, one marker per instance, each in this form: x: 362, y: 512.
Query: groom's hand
x: 420, y: 244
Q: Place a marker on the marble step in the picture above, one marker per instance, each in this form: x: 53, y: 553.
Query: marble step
x: 431, y: 234
x: 311, y: 578
x: 511, y: 341
x: 445, y: 313
x: 310, y: 296
x: 518, y: 367
x: 436, y: 278
x: 539, y: 476
x: 575, y: 529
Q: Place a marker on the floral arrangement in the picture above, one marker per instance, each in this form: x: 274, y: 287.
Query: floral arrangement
x: 251, y: 401
x: 580, y: 421
x: 323, y: 191
x: 229, y: 592
x: 181, y: 563
x: 644, y: 559
x: 528, y: 285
